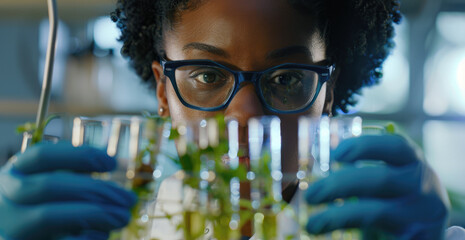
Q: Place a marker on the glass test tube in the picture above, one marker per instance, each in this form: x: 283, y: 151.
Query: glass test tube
x: 135, y: 142
x: 326, y: 134
x: 91, y: 132
x: 214, y: 203
x: 265, y: 174
x: 308, y: 134
x: 233, y: 152
x: 194, y: 200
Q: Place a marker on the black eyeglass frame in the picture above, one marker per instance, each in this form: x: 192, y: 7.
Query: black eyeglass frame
x: 169, y: 69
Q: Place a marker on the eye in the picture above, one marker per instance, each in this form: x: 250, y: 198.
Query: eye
x: 288, y: 78
x: 207, y: 76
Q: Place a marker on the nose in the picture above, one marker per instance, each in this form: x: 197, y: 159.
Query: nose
x: 245, y: 105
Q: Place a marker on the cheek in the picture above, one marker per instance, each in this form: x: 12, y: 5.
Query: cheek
x: 317, y: 109
x: 180, y: 113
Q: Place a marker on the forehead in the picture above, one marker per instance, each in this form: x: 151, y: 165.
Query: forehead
x: 245, y: 29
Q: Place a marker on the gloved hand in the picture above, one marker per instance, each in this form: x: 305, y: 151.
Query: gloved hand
x: 401, y: 198
x: 45, y: 194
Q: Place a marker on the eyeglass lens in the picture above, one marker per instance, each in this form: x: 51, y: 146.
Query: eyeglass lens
x: 281, y: 89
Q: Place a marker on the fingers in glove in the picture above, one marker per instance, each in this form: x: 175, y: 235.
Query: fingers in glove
x: 51, y: 220
x: 45, y: 157
x: 65, y: 186
x: 375, y: 181
x: 392, y: 149
x: 359, y: 214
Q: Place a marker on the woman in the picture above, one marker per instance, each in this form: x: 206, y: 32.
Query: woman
x: 339, y: 42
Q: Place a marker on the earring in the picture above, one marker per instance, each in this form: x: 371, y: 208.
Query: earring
x: 161, y: 110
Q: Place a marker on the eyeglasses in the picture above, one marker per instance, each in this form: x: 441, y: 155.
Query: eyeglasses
x: 209, y: 86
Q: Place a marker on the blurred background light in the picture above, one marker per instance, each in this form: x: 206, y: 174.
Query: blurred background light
x: 461, y: 76
x: 446, y: 157
x: 106, y: 33
x: 392, y: 93
x: 450, y: 26
x: 445, y: 67
x: 444, y: 82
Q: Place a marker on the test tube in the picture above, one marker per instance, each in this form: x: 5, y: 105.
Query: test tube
x: 265, y: 174
x: 317, y: 138
x: 135, y: 143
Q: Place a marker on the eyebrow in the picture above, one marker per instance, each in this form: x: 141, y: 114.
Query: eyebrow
x: 286, y: 51
x: 207, y: 48
x: 278, y: 53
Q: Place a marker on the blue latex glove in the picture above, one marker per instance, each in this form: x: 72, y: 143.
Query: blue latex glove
x: 45, y: 194
x: 400, y: 198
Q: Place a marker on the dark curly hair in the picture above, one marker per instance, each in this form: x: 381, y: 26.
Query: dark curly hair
x: 358, y: 36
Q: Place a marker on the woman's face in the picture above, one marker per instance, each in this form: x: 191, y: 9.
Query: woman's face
x: 243, y: 35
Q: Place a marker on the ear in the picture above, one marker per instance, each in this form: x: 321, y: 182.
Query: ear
x: 330, y: 86
x: 163, y: 109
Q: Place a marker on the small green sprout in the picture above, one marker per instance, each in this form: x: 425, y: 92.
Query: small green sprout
x: 390, y: 128
x: 193, y: 161
x: 36, y: 131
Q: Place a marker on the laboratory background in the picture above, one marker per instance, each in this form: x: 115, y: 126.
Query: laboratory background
x: 422, y: 91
